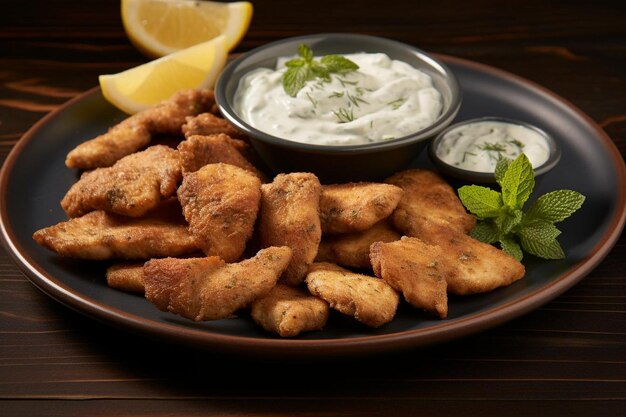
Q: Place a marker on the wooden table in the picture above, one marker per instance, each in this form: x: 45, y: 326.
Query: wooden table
x: 566, y: 358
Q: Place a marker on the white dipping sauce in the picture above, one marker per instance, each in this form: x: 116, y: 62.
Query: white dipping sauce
x: 478, y: 146
x: 382, y: 100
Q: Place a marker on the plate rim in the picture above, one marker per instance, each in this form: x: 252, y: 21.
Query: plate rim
x: 369, y: 344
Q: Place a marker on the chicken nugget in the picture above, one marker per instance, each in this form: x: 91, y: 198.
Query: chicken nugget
x: 354, y: 207
x: 369, y: 300
x: 136, y: 131
x: 353, y: 249
x: 290, y: 217
x: 206, y: 124
x: 127, y: 277
x: 221, y: 203
x: 289, y: 311
x: 198, y: 151
x: 101, y: 235
x: 471, y: 266
x: 210, y: 289
x: 427, y: 195
x: 413, y: 268
x: 134, y: 185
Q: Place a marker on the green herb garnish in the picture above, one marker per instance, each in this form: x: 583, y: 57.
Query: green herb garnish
x: 300, y: 70
x: 344, y: 115
x: 502, y: 220
x: 395, y: 105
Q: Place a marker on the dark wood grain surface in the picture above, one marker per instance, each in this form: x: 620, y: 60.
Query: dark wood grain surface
x: 566, y: 358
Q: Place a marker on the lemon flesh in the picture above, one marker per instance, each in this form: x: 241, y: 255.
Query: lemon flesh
x: 139, y: 88
x: 161, y: 27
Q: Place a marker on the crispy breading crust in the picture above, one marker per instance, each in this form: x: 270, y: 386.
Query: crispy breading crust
x: 427, y: 195
x: 413, y: 268
x: 206, y: 124
x: 290, y: 216
x: 354, y: 207
x: 136, y: 131
x: 369, y: 300
x: 100, y: 235
x: 353, y: 249
x: 471, y: 266
x: 289, y: 311
x: 198, y: 151
x: 126, y: 277
x: 131, y: 187
x: 210, y: 289
x: 221, y: 203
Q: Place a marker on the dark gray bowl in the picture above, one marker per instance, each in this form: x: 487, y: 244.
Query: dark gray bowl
x: 489, y: 177
x: 373, y: 161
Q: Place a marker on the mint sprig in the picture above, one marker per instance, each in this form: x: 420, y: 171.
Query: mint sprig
x: 501, y: 216
x: 303, y: 69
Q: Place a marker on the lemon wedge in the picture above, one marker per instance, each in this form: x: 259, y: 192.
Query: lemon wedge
x: 161, y: 27
x: 138, y: 88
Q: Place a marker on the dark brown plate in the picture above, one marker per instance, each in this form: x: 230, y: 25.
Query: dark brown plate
x: 34, y: 179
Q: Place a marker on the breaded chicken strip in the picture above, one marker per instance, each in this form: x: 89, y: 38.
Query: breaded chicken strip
x: 354, y: 207
x: 134, y: 185
x: 369, y: 300
x: 221, y: 203
x: 415, y: 269
x: 210, y: 289
x: 290, y: 217
x: 100, y: 235
x: 126, y: 277
x: 353, y: 249
x: 206, y: 124
x: 470, y: 266
x: 289, y: 311
x: 198, y: 151
x: 135, y: 132
x: 427, y: 195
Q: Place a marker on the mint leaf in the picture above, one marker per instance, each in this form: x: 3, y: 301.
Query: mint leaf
x: 338, y: 64
x: 301, y: 70
x: 511, y: 248
x: 501, y: 168
x: 539, y: 239
x: 555, y: 206
x: 486, y: 232
x: 305, y: 52
x: 481, y: 201
x: 518, y: 182
x: 294, y: 63
x: 547, y: 250
x: 295, y: 78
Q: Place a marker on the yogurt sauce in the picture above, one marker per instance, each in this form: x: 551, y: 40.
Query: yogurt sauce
x: 478, y: 146
x: 382, y: 100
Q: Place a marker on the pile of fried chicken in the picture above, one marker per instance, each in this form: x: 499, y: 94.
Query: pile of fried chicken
x: 202, y: 233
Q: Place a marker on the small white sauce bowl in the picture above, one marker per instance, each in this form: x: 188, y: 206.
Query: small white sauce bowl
x: 488, y: 177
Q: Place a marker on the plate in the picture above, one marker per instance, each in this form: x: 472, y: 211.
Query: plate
x: 34, y: 179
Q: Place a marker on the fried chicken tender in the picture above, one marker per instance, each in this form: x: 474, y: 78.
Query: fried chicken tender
x: 354, y: 207
x: 289, y: 311
x: 415, y: 269
x: 127, y: 277
x: 101, y: 235
x: 206, y: 124
x: 353, y: 249
x: 135, y: 132
x: 221, y: 203
x: 470, y: 266
x: 427, y: 195
x: 210, y: 289
x: 290, y: 217
x: 198, y: 151
x: 134, y: 185
x: 369, y: 300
